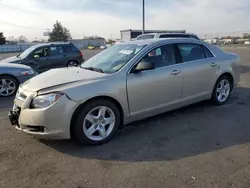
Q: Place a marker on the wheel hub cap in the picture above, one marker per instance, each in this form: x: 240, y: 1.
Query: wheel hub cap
x: 99, y: 123
x: 7, y: 87
x: 223, y: 90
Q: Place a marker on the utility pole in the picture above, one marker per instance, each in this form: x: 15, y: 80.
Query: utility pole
x: 143, y: 16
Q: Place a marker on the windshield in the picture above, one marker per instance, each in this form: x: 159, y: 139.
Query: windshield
x: 143, y: 37
x: 113, y: 58
x: 26, y: 52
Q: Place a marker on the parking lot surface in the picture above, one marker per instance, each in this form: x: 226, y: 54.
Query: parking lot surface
x: 197, y: 146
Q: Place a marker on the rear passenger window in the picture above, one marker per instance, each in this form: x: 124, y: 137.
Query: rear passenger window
x: 191, y: 52
x: 70, y: 48
x: 166, y: 36
x: 56, y: 50
x: 207, y: 52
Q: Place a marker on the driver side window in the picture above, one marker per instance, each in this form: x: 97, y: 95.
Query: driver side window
x: 42, y: 52
x: 161, y: 56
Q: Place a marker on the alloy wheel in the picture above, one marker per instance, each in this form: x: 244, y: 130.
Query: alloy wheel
x: 99, y: 123
x: 72, y: 64
x: 223, y: 90
x: 7, y: 87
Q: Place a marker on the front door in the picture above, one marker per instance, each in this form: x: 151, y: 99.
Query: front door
x: 40, y: 60
x: 150, y: 92
x: 199, y: 70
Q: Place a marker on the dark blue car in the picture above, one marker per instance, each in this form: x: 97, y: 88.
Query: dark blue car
x: 43, y: 57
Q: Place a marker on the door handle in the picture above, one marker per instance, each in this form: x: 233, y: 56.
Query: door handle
x: 213, y: 64
x: 175, y: 72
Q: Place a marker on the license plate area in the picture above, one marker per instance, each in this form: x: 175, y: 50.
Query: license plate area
x: 14, y: 115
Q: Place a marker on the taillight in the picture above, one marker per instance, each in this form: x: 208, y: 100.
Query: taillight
x: 80, y: 53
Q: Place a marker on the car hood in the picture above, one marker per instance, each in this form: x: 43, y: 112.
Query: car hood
x: 10, y: 65
x: 13, y: 59
x: 61, y: 76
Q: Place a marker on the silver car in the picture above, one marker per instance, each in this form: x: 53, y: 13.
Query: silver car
x: 123, y: 83
x: 166, y: 35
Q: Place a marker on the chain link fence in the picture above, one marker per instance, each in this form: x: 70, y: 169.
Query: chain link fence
x: 6, y: 48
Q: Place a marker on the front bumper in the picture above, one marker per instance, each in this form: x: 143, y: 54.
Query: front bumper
x: 52, y: 122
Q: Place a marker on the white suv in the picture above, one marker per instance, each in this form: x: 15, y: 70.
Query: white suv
x: 166, y: 35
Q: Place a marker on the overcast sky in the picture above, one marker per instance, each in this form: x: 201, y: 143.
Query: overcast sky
x: 108, y: 17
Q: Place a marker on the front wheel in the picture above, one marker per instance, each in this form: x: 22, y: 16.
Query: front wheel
x: 8, y: 86
x: 222, y: 90
x: 97, y: 122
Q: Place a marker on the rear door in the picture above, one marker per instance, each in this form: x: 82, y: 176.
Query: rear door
x: 199, y: 70
x: 72, y: 53
x: 57, y: 56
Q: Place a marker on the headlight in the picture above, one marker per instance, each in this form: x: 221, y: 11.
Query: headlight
x: 44, y: 101
x: 28, y: 72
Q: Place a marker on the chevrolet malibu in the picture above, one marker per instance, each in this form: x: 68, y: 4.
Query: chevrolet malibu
x: 124, y: 83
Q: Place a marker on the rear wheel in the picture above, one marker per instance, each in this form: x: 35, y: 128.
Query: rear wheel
x: 222, y: 90
x: 97, y: 122
x: 8, y: 86
x: 73, y: 64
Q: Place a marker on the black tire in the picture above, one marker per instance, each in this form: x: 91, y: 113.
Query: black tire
x: 15, y: 82
x: 78, y: 125
x: 214, y: 98
x: 72, y: 61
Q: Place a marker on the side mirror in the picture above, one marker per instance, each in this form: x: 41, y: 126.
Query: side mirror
x: 144, y: 65
x: 36, y: 56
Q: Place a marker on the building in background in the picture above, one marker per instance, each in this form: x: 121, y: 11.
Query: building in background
x: 212, y: 41
x: 228, y: 41
x: 129, y: 34
x: 84, y: 43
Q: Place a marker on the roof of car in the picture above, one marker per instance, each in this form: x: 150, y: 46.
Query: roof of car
x: 168, y: 34
x: 51, y: 43
x: 161, y: 40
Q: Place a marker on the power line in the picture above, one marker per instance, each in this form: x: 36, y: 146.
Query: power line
x: 21, y: 26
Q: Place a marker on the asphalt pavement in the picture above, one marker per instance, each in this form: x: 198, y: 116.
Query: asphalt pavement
x: 197, y: 146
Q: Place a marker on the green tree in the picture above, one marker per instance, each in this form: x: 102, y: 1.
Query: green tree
x: 2, y: 39
x: 246, y: 36
x: 59, y: 33
x: 110, y: 41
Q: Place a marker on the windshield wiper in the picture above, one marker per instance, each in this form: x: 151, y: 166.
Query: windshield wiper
x: 18, y: 55
x: 93, y: 69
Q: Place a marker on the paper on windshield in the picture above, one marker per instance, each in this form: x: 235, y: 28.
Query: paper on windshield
x: 127, y: 52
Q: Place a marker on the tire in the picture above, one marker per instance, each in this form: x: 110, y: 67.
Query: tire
x: 220, y: 96
x: 73, y: 63
x: 91, y: 122
x: 8, y: 86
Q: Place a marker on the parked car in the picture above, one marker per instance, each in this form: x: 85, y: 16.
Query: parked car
x: 11, y: 75
x: 43, y: 57
x: 103, y: 47
x: 166, y: 35
x: 124, y: 83
x: 90, y: 47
